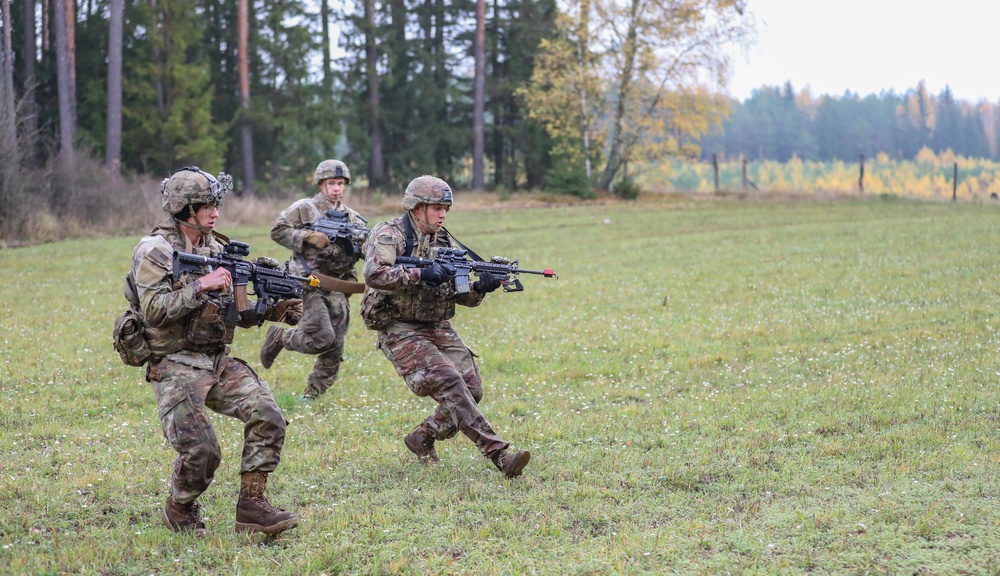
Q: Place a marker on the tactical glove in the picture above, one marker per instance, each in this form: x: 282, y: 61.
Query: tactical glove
x: 487, y: 283
x: 316, y: 239
x: 434, y: 275
x: 287, y: 311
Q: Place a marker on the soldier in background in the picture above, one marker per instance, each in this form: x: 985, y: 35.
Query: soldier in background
x: 327, y: 313
x: 189, y: 365
x: 411, y: 308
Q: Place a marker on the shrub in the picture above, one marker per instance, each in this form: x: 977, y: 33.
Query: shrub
x: 626, y: 188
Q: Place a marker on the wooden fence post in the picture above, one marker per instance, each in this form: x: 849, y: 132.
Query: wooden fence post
x: 861, y: 177
x: 744, y: 173
x: 715, y: 169
x: 954, y: 184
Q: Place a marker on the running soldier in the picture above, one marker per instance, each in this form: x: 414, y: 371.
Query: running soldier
x: 411, y: 308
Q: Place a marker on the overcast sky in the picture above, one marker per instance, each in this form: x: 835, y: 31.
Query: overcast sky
x: 867, y: 46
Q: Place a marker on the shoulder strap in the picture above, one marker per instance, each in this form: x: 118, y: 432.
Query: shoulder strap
x: 410, y: 235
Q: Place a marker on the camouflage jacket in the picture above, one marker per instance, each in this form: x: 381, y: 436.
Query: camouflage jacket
x: 174, y: 317
x: 399, y: 290
x: 288, y: 230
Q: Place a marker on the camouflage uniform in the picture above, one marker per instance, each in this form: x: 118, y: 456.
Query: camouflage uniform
x: 190, y: 368
x: 327, y: 314
x: 420, y: 341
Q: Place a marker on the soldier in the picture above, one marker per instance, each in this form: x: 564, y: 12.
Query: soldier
x: 411, y: 309
x: 190, y: 367
x: 327, y: 312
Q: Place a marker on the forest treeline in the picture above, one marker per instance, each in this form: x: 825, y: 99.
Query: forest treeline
x: 778, y: 123
x: 100, y: 99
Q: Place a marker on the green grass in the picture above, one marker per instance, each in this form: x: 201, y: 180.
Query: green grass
x: 710, y: 387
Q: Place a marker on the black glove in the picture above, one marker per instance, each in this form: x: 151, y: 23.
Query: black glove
x: 487, y: 283
x: 435, y: 274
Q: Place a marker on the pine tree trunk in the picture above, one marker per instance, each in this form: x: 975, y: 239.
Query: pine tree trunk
x: 8, y: 128
x: 70, y: 7
x: 376, y: 164
x: 479, y: 99
x: 112, y: 156
x: 67, y: 124
x: 324, y: 11
x: 30, y: 74
x: 246, y: 130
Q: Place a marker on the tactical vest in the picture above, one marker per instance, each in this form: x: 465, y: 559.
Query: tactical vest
x: 421, y: 302
x: 202, y: 330
x: 332, y: 260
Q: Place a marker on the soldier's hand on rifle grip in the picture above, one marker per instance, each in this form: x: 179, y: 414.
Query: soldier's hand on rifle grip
x: 487, y: 283
x: 316, y: 239
x: 288, y: 311
x: 218, y: 279
x: 434, y: 275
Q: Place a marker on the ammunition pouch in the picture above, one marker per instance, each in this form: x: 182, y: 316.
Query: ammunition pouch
x: 208, y: 330
x: 376, y: 310
x: 129, y: 339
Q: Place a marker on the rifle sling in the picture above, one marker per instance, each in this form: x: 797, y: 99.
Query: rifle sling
x: 331, y: 284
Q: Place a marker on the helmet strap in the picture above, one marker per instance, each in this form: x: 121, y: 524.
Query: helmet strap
x: 203, y: 231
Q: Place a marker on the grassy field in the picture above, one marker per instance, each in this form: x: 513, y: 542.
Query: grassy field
x: 712, y: 386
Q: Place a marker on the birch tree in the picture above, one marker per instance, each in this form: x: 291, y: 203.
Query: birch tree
x: 636, y: 79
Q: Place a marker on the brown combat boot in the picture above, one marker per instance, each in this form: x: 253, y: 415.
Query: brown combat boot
x: 310, y: 394
x: 272, y: 345
x: 421, y: 443
x: 254, y: 513
x: 510, y: 463
x: 183, y: 517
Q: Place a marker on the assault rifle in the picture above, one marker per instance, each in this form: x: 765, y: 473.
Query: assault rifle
x: 271, y: 284
x: 458, y: 264
x: 337, y: 226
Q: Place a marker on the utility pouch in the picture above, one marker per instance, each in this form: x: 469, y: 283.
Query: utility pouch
x: 129, y: 339
x: 208, y: 329
x: 376, y: 310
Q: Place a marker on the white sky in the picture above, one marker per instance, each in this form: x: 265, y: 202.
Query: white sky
x: 867, y: 46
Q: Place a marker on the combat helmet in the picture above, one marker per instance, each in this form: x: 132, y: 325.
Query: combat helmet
x: 331, y: 169
x: 426, y: 190
x: 190, y: 186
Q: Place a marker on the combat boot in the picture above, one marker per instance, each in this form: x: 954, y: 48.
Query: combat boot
x: 183, y: 517
x: 310, y: 394
x: 272, y: 345
x: 254, y: 513
x: 421, y: 443
x: 510, y: 463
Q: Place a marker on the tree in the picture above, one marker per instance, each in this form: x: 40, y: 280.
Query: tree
x: 246, y: 130
x: 29, y: 47
x: 376, y: 164
x: 169, y: 118
x: 519, y: 147
x: 8, y: 128
x: 66, y: 75
x: 655, y: 62
x: 479, y: 98
x: 113, y: 147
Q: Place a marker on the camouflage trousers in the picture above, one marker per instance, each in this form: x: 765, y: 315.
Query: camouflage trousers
x: 434, y: 361
x: 321, y: 331
x: 185, y: 384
